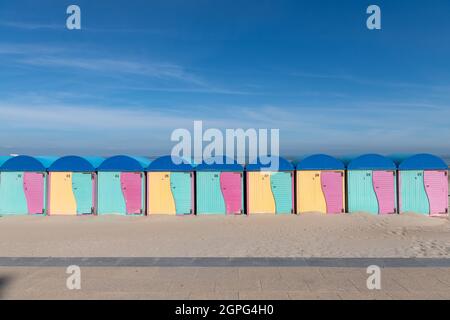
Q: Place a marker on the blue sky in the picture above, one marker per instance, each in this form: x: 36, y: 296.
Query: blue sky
x: 140, y: 69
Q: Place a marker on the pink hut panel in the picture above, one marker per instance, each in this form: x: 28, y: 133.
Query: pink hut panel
x: 132, y: 191
x: 384, y: 186
x: 332, y: 187
x: 231, y: 186
x: 436, y: 187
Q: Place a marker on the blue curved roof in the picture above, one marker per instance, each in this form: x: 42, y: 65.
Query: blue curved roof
x: 169, y: 163
x: 423, y: 161
x: 371, y: 162
x: 221, y: 164
x: 3, y: 159
x: 23, y: 163
x: 76, y: 164
x: 124, y: 163
x: 320, y: 162
x: 283, y: 165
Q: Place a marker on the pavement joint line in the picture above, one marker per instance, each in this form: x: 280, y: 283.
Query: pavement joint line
x: 236, y: 262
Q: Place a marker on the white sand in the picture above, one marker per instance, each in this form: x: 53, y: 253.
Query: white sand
x: 309, y: 235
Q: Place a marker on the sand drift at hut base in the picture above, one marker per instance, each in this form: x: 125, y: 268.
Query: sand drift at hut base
x: 306, y: 235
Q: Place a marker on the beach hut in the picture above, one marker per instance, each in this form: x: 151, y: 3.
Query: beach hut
x: 121, y: 185
x: 270, y: 190
x: 372, y: 185
x: 219, y: 187
x: 423, y: 185
x: 72, y: 185
x: 170, y: 186
x: 22, y: 185
x: 320, y: 185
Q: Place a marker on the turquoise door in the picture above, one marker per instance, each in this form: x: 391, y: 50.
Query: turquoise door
x: 209, y: 194
x: 181, y: 188
x: 361, y: 194
x: 413, y: 197
x: 281, y: 185
x: 82, y: 190
x: 110, y: 196
x: 12, y: 196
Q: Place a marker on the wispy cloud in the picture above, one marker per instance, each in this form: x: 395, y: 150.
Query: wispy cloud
x: 31, y: 25
x: 157, y: 70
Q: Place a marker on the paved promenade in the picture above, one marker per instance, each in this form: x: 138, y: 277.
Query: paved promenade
x: 224, y: 283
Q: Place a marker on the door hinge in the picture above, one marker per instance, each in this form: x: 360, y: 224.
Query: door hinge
x: 190, y: 211
x: 92, y: 210
x: 92, y: 176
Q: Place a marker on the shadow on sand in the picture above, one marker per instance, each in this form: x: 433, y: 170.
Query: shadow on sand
x: 4, y: 282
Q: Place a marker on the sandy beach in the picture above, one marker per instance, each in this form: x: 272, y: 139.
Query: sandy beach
x: 308, y: 235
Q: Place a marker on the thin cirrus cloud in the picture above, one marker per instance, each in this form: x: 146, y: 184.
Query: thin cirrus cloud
x: 31, y: 26
x: 157, y: 70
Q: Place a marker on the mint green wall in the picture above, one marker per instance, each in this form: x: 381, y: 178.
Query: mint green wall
x: 180, y: 186
x: 209, y: 194
x: 281, y: 185
x: 110, y: 196
x: 361, y: 195
x: 82, y: 190
x: 413, y: 197
x: 12, y: 196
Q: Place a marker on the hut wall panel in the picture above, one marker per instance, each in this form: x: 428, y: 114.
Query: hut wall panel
x: 82, y: 185
x: 281, y: 185
x: 436, y: 187
x: 131, y: 184
x: 333, y: 189
x: 231, y: 186
x: 361, y: 194
x: 110, y: 197
x: 160, y: 199
x: 384, y: 186
x: 12, y: 196
x: 62, y: 198
x: 260, y: 197
x: 209, y: 194
x: 413, y: 197
x: 181, y: 189
x: 309, y: 192
x: 34, y: 188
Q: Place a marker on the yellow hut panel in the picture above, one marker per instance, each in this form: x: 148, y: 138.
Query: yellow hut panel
x: 310, y: 197
x: 61, y: 194
x: 260, y: 198
x: 160, y: 199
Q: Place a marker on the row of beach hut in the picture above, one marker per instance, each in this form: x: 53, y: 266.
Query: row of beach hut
x: 74, y: 185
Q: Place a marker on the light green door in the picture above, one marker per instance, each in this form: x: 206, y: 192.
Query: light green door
x: 82, y: 190
x: 209, y: 194
x: 12, y: 196
x: 413, y: 197
x: 361, y: 194
x: 281, y: 185
x: 110, y: 196
x: 181, y: 188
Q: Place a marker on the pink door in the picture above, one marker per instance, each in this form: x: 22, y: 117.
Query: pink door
x: 332, y: 185
x: 384, y: 186
x: 131, y: 184
x: 436, y: 186
x: 33, y: 186
x: 231, y: 186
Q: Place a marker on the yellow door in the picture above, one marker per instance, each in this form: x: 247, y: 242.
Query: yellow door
x: 62, y: 199
x: 260, y: 197
x: 160, y: 199
x: 310, y: 197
